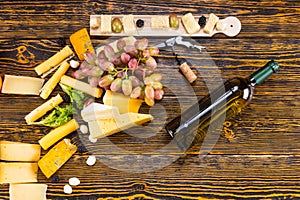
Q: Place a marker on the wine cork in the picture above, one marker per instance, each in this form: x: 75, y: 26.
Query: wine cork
x: 187, y: 72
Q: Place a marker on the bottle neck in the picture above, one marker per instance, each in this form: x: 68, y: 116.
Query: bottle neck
x: 263, y: 73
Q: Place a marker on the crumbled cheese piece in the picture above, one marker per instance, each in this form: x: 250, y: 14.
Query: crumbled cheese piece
x: 67, y: 189
x: 91, y: 160
x: 84, y: 129
x: 74, y: 64
x: 92, y: 140
x: 74, y: 181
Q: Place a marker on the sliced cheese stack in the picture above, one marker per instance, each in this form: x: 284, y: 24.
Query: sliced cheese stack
x: 56, y: 157
x: 22, y: 85
x: 29, y: 191
x: 25, y: 169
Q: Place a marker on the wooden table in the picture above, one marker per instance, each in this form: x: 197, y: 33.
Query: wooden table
x: 262, y: 161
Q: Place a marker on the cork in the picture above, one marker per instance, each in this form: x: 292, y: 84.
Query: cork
x: 187, y: 72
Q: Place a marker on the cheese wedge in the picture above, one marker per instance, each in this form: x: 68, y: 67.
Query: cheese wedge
x: 81, y: 42
x: 27, y: 191
x: 125, y: 104
x: 81, y: 86
x: 211, y: 23
x: 105, y: 23
x: 54, y: 80
x: 17, y: 172
x: 105, y: 127
x: 58, y: 133
x: 128, y: 24
x: 53, y: 61
x: 43, y: 109
x: 22, y: 85
x: 17, y: 151
x: 96, y: 111
x: 190, y: 24
x: 56, y: 157
x: 159, y: 22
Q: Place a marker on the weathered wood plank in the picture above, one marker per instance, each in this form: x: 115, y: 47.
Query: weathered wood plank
x: 60, y: 18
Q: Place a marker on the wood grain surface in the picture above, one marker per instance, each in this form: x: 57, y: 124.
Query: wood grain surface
x: 262, y: 160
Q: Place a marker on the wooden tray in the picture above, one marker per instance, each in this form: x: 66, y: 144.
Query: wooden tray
x: 233, y: 27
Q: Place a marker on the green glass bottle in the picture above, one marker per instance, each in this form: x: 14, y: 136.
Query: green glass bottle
x: 223, y: 103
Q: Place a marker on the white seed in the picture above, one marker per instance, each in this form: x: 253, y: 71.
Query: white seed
x: 84, y: 129
x: 74, y: 64
x: 74, y: 181
x: 92, y: 140
x: 91, y: 160
x: 67, y: 189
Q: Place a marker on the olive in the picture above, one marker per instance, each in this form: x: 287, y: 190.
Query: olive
x: 140, y: 23
x: 116, y: 25
x: 174, y: 21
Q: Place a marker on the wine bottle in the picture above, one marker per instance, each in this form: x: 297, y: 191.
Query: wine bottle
x: 222, y: 104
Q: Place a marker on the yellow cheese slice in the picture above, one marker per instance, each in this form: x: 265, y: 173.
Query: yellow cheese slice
x: 17, y: 172
x: 54, y: 80
x: 58, y: 133
x: 124, y: 103
x: 27, y: 191
x: 22, y: 85
x: 43, y: 109
x: 96, y: 111
x: 81, y: 86
x: 56, y: 157
x: 17, y: 151
x: 105, y: 127
x: 53, y: 61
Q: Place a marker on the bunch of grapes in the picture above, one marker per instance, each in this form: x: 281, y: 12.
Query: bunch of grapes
x: 130, y: 70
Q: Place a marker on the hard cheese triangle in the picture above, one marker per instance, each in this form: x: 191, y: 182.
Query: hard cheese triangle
x: 105, y: 127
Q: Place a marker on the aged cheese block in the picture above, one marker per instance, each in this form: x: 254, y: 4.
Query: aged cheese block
x: 124, y: 103
x: 105, y: 23
x: 105, y: 127
x: 22, y: 85
x: 56, y: 157
x: 58, y: 133
x: 128, y: 24
x: 96, y: 111
x: 17, y: 151
x: 18, y: 172
x: 160, y: 22
x: 27, y: 191
x: 211, y: 23
x: 82, y: 43
x: 190, y: 24
x: 43, y: 109
x: 54, y: 80
x: 81, y: 86
x: 53, y: 61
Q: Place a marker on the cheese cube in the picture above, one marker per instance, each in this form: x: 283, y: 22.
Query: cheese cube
x: 160, y: 22
x: 105, y: 24
x: 190, y: 24
x: 22, y: 85
x: 128, y: 24
x: 211, y: 23
x: 17, y: 151
x: 28, y: 191
x: 105, y: 127
x: 17, y: 172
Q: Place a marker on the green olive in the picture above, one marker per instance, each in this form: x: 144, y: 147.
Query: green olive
x: 116, y: 25
x: 174, y: 21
